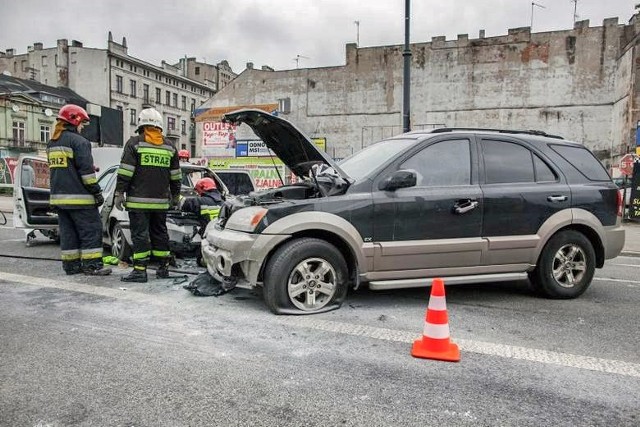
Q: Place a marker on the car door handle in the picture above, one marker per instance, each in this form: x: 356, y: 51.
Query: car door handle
x: 555, y: 199
x: 464, y: 206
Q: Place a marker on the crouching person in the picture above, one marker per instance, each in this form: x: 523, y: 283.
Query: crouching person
x: 206, y: 205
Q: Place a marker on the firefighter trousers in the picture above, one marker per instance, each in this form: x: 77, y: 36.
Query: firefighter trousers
x: 80, y: 239
x: 149, y: 236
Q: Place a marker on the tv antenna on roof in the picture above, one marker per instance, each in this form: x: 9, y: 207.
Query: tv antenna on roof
x: 575, y: 10
x: 297, y: 59
x: 532, y: 5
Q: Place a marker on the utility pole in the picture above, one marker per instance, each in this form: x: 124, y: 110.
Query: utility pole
x: 532, y: 5
x: 357, y: 33
x: 406, y: 53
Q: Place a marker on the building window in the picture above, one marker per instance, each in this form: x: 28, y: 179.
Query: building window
x: 171, y: 123
x: 197, y: 71
x: 132, y: 116
x: 193, y: 105
x: 167, y: 98
x: 183, y: 127
x: 45, y: 133
x: 284, y: 105
x: 158, y: 95
x: 184, y: 103
x: 175, y: 100
x: 133, y: 88
x: 18, y: 132
x: 119, y: 84
x: 145, y: 93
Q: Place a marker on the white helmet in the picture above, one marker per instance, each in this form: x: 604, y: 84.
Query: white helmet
x: 150, y: 117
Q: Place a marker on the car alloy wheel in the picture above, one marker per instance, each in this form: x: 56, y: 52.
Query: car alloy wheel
x: 312, y: 284
x: 569, y: 265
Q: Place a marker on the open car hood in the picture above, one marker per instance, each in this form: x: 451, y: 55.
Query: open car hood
x: 291, y: 146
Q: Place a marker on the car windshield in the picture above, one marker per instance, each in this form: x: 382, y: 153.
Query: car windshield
x: 361, y: 163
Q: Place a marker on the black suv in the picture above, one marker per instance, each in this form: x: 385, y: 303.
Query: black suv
x: 468, y: 205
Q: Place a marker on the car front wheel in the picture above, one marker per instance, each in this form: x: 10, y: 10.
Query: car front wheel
x: 566, y: 266
x: 119, y: 246
x: 305, y: 276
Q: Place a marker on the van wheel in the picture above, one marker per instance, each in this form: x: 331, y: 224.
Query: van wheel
x: 119, y: 246
x: 566, y: 266
x: 305, y: 276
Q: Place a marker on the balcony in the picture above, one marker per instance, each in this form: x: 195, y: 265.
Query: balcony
x: 21, y: 145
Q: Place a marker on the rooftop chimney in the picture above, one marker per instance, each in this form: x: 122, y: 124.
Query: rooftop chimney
x: 37, y: 46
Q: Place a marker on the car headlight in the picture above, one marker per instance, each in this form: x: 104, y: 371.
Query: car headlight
x: 246, y: 219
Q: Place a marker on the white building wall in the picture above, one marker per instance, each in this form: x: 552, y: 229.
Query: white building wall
x: 572, y: 83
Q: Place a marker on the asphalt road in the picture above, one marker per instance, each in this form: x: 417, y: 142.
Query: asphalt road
x: 92, y: 352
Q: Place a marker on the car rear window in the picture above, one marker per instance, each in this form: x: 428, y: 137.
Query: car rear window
x: 237, y: 183
x: 584, y: 161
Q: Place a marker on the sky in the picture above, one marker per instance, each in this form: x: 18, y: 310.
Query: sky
x: 278, y: 33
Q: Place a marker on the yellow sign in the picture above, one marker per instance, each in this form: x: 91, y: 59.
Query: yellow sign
x: 261, y: 169
x: 638, y: 150
x: 321, y: 143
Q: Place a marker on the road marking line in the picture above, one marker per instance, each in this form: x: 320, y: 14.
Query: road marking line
x: 628, y: 265
x: 501, y: 350
x: 492, y: 349
x: 610, y: 279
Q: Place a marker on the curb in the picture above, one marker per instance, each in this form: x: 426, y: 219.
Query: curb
x: 630, y: 253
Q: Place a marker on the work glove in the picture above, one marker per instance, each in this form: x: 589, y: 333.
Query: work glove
x: 175, y: 201
x: 118, y: 200
x: 99, y: 199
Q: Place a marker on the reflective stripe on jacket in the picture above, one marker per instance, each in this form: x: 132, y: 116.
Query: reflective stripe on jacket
x: 72, y: 176
x: 149, y: 174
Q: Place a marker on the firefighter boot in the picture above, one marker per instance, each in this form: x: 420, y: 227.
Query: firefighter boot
x: 97, y: 271
x: 163, y: 270
x: 72, y: 267
x: 138, y: 274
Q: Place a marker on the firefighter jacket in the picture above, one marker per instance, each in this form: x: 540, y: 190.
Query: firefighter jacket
x: 72, y: 176
x: 207, y: 206
x: 149, y: 174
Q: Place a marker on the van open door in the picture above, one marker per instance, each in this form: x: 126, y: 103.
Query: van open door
x: 31, y: 209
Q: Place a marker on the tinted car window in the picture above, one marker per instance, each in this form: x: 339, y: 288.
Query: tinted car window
x: 584, y: 161
x: 543, y: 172
x: 442, y: 163
x: 505, y: 162
x: 237, y: 183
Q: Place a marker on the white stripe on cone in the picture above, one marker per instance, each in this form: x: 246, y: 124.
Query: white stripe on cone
x: 437, y: 303
x: 436, y: 331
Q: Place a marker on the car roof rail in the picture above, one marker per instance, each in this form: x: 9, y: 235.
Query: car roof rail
x: 528, y: 132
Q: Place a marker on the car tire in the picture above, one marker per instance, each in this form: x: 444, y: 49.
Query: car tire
x: 120, y: 248
x: 288, y: 291
x: 566, y: 266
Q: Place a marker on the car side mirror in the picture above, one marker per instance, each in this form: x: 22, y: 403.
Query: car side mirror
x: 399, y: 179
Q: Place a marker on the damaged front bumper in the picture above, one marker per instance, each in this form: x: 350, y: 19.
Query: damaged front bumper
x: 236, y: 255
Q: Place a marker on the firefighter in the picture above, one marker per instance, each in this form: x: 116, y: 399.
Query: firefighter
x: 206, y: 205
x: 183, y: 155
x: 75, y: 194
x: 149, y: 177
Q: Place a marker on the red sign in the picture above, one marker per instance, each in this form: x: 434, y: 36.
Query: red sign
x: 626, y: 164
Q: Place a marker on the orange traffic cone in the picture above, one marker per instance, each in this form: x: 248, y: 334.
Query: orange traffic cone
x: 435, y: 342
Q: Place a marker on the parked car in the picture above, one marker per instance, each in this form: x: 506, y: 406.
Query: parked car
x: 238, y: 181
x: 468, y: 205
x: 32, y: 210
x: 624, y: 185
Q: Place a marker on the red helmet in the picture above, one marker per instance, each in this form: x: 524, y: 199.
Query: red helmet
x: 73, y: 114
x: 183, y: 155
x: 205, y: 184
